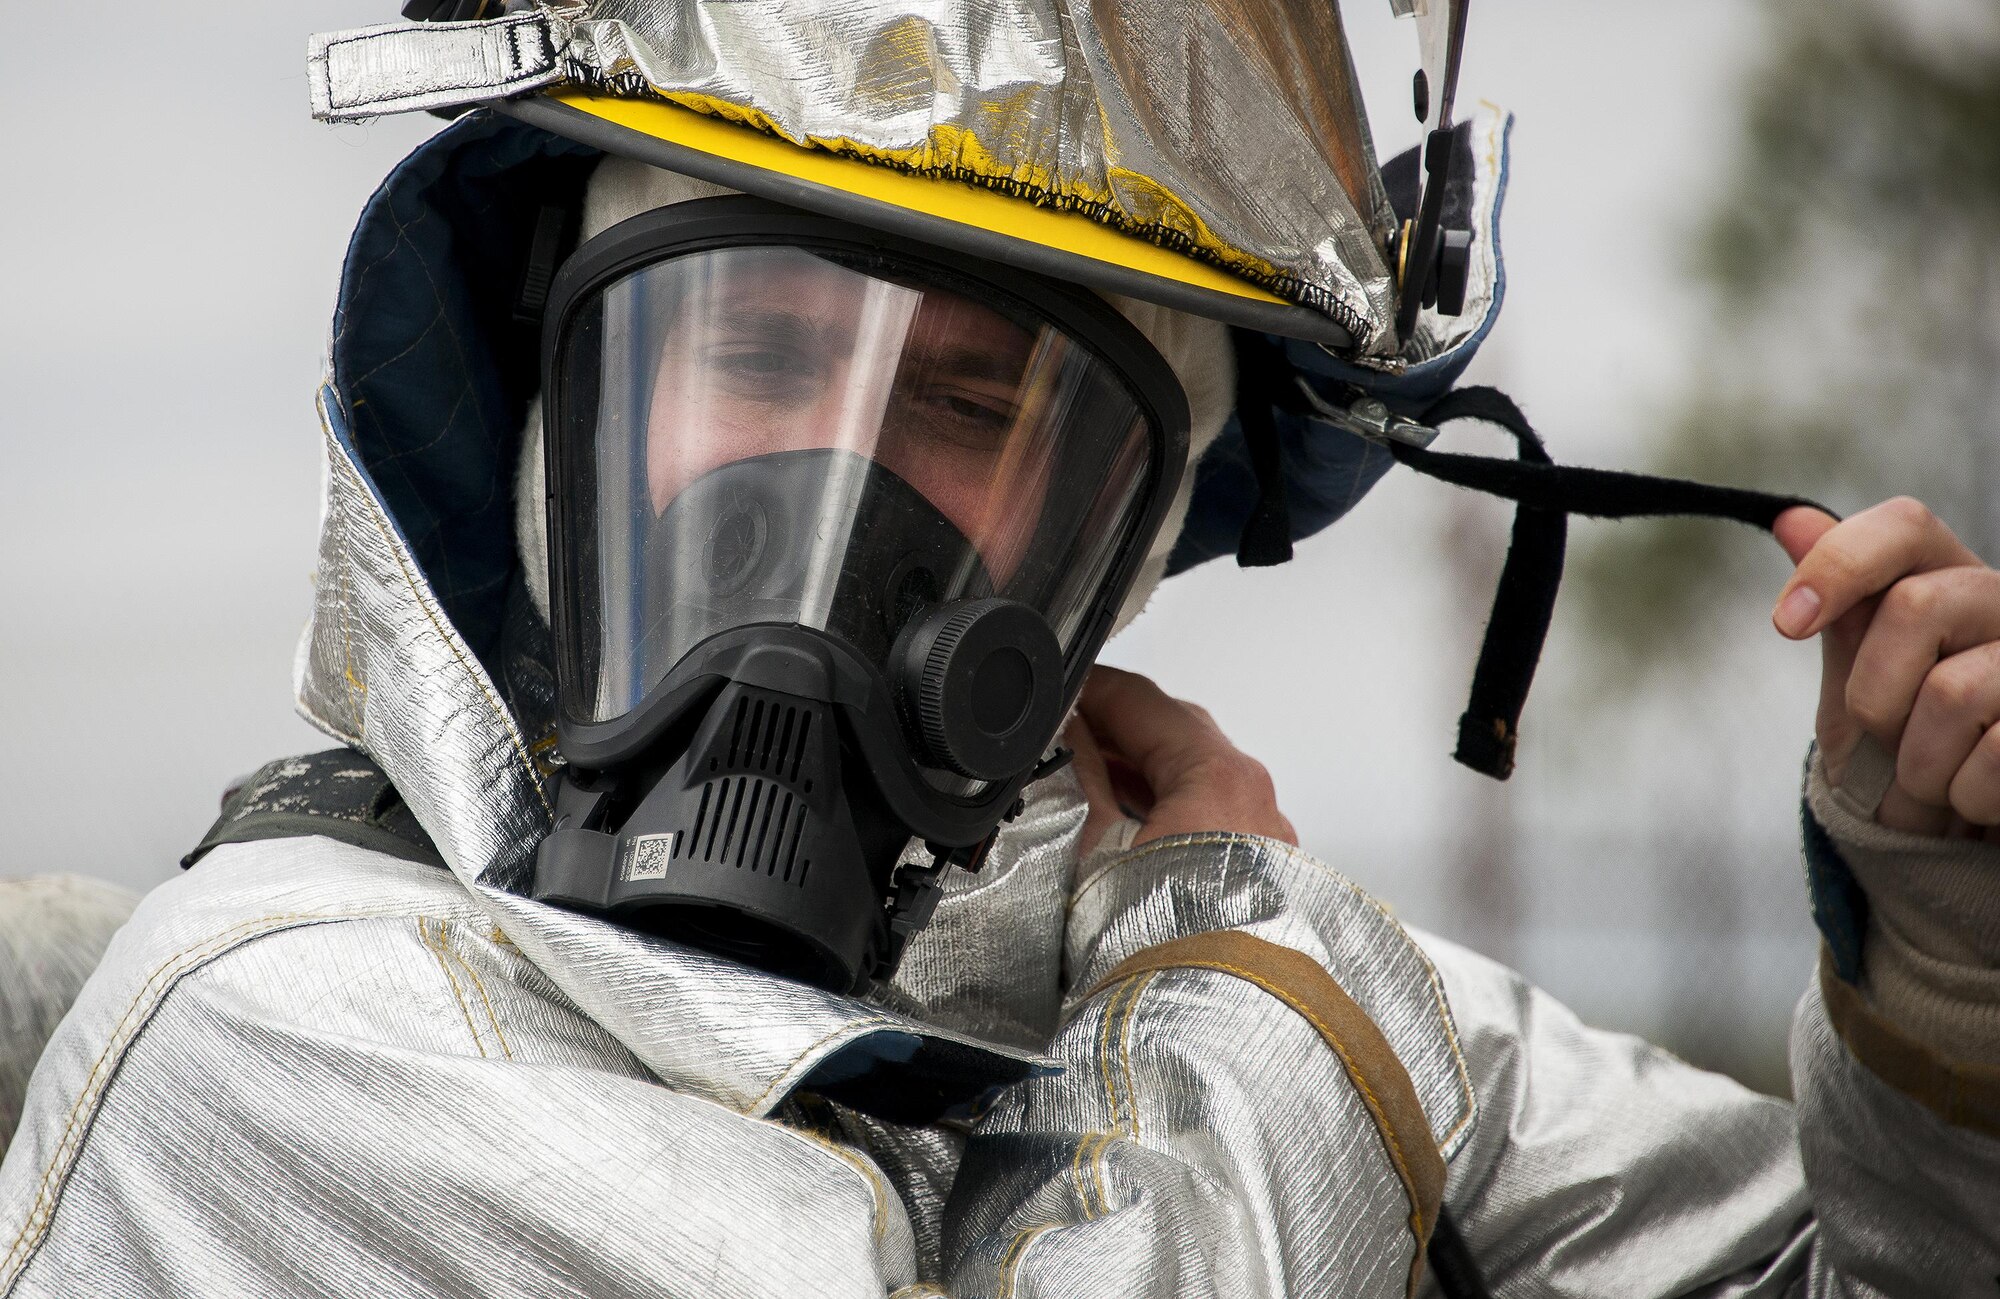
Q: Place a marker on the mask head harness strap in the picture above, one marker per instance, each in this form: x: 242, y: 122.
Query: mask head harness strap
x: 1546, y: 493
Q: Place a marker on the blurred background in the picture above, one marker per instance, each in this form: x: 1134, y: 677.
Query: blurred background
x: 1758, y: 243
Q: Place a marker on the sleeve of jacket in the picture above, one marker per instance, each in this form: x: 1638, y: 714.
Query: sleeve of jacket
x: 1894, y: 1049
x: 1224, y: 1127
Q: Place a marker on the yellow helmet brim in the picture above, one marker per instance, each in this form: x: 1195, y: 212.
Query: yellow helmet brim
x: 948, y: 213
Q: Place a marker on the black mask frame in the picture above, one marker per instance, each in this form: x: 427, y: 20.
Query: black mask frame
x: 637, y: 747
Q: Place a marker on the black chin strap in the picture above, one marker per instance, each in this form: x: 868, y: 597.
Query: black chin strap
x: 1547, y: 494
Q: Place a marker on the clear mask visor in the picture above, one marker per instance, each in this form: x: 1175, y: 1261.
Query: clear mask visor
x: 772, y: 434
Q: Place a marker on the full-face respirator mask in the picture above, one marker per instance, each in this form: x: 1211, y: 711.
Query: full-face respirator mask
x: 839, y: 525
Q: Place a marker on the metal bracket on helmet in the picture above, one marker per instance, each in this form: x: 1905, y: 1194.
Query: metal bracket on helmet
x: 1369, y: 418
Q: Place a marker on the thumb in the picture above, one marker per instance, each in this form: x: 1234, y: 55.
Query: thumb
x: 1799, y: 529
x: 1091, y: 773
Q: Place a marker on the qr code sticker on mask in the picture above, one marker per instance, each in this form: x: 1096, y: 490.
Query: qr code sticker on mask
x: 646, y: 857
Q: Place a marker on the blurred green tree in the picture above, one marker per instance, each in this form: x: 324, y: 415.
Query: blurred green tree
x: 1854, y: 269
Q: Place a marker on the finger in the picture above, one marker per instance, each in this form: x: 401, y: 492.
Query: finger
x: 1920, y: 621
x: 1232, y: 793
x: 1975, y: 790
x: 1901, y: 810
x: 1135, y: 796
x: 1798, y: 530
x: 1103, y: 810
x: 1957, y: 703
x: 1835, y: 726
x: 1163, y: 738
x: 1859, y: 557
x: 1799, y: 527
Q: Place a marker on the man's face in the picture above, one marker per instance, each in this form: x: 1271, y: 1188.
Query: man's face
x: 778, y: 350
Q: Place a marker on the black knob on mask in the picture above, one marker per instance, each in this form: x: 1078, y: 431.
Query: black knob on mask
x: 982, y: 686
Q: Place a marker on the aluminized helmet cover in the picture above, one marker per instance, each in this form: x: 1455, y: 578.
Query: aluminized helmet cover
x: 759, y: 416
x: 1214, y: 157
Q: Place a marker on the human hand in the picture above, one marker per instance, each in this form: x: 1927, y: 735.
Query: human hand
x: 1163, y: 761
x: 1909, y: 623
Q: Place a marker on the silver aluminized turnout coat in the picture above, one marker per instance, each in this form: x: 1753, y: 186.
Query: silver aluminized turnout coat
x: 1208, y: 1066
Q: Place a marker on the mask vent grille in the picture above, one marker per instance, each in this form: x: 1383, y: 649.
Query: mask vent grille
x: 752, y: 825
x: 766, y: 736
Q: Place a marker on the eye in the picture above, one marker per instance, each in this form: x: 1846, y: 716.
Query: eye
x: 762, y: 371
x: 985, y: 411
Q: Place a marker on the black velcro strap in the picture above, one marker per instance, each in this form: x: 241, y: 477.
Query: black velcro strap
x: 339, y: 794
x: 1525, y: 601
x: 1547, y: 494
x: 1261, y: 369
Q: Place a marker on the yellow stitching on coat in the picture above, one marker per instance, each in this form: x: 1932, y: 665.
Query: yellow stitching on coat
x: 436, y: 948
x: 1010, y: 1262
x: 42, y: 1210
x: 1125, y: 1058
x: 1466, y: 1093
x: 867, y: 1169
x: 1095, y: 1145
x: 1090, y: 1150
x: 444, y: 942
x: 506, y: 1049
x: 786, y: 1072
x: 1354, y: 1075
x: 451, y: 643
x: 1091, y: 1147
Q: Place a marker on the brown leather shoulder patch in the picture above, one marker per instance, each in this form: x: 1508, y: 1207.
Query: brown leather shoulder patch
x: 1365, y: 1054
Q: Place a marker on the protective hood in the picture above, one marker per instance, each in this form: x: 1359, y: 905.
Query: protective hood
x: 424, y: 652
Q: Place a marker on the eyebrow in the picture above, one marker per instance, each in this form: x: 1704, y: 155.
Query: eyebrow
x: 781, y: 327
x: 798, y: 329
x: 973, y: 363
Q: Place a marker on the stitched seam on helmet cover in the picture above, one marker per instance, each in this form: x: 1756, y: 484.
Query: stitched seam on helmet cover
x: 436, y: 948
x: 69, y: 1146
x: 344, y: 584
x: 342, y: 601
x: 1469, y: 1097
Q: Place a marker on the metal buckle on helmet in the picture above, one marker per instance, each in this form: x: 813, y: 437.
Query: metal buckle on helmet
x: 1369, y: 418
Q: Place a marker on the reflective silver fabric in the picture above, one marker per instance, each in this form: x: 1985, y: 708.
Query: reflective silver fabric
x: 308, y: 1069
x: 1911, y: 1205
x: 1232, y: 131
x: 53, y: 929
x: 304, y: 1068
x: 1194, y: 884
x: 1618, y: 1170
x: 381, y: 668
x: 990, y: 961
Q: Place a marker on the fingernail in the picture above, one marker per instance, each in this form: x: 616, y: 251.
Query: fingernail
x: 1796, y: 611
